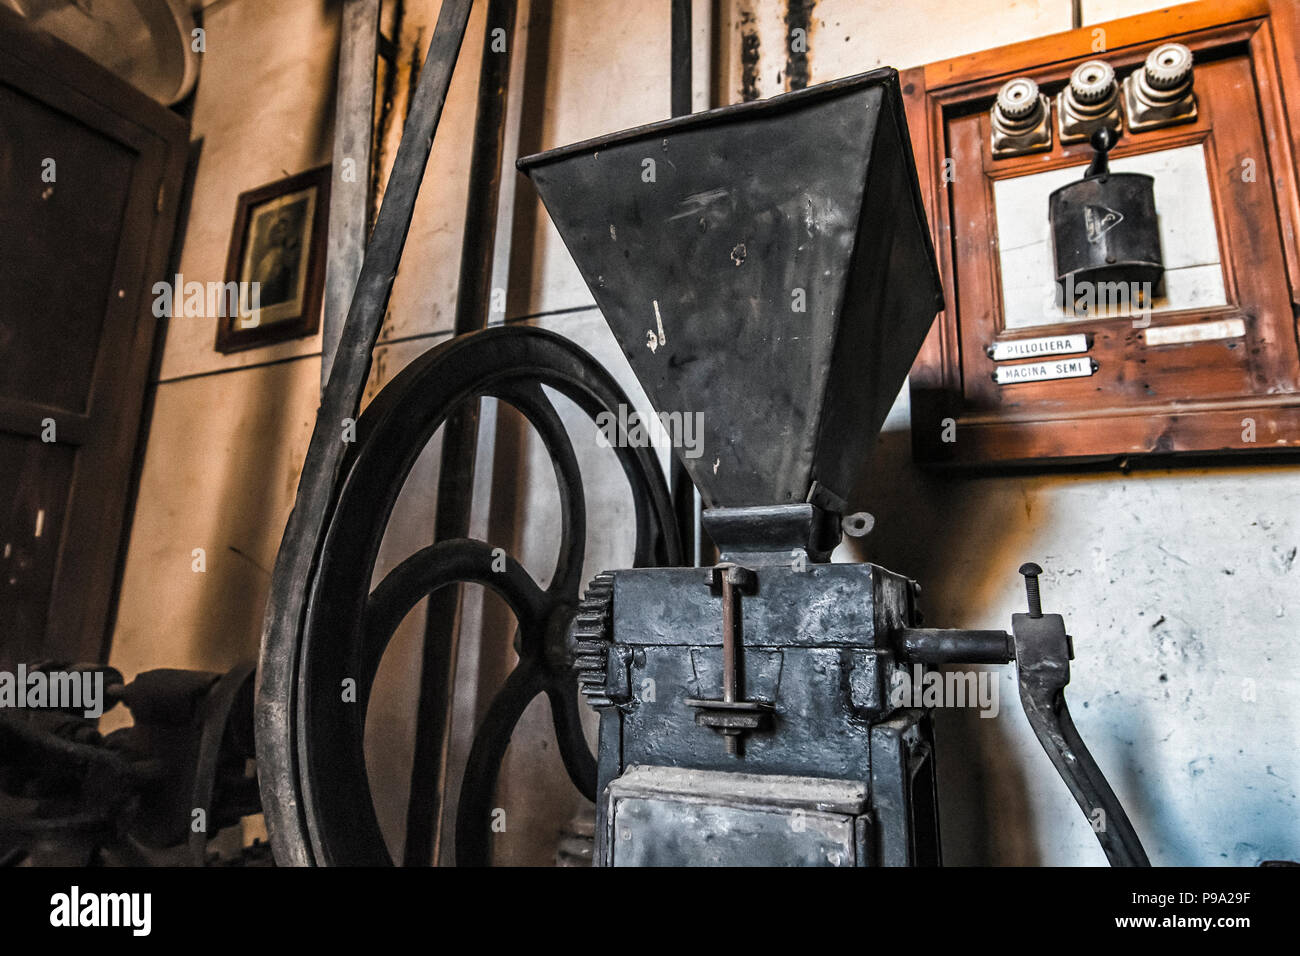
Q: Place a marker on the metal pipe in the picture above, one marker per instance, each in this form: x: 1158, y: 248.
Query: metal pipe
x: 679, y: 482
x: 935, y: 645
x: 349, y: 196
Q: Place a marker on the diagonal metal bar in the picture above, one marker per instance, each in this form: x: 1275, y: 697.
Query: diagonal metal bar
x: 341, y: 400
x: 1050, y: 717
x: 1043, y: 651
x: 349, y: 195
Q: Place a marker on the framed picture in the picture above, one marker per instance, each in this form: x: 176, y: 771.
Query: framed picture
x: 277, y: 262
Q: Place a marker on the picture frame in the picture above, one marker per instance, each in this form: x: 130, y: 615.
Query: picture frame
x: 277, y: 262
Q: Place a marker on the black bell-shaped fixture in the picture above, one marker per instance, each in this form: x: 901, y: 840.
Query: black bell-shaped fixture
x: 1104, y: 229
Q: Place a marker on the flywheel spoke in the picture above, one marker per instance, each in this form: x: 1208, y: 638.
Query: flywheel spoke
x: 456, y: 561
x: 579, y: 762
x: 530, y: 400
x: 474, y: 809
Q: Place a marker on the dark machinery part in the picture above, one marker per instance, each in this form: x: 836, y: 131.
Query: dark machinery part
x: 789, y: 658
x: 791, y: 681
x: 176, y: 776
x: 802, y: 759
x: 1104, y: 227
x: 747, y: 700
x: 348, y: 623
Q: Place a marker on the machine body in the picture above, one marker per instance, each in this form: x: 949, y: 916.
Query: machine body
x: 768, y: 265
x: 746, y: 715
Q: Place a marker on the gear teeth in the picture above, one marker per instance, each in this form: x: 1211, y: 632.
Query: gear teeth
x: 1093, y: 82
x: 1168, y: 66
x: 590, y: 638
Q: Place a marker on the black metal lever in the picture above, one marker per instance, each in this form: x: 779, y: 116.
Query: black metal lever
x: 1043, y: 654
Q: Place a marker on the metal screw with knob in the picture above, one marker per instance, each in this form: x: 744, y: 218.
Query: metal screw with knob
x: 1031, y: 572
x: 732, y: 716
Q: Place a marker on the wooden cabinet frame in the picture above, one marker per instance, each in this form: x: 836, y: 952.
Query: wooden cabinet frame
x: 1194, y: 397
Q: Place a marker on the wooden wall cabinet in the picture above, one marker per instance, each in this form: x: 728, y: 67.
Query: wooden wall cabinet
x: 1217, y: 373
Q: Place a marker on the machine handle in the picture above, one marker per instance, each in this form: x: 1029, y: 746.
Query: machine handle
x: 1043, y: 653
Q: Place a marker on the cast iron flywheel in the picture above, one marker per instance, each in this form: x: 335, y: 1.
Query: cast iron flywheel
x: 330, y: 626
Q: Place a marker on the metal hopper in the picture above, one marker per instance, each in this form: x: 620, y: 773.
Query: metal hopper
x: 767, y: 265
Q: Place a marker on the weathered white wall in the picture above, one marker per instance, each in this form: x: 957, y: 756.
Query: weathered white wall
x: 1179, y: 587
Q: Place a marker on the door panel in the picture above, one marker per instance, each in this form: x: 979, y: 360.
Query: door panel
x: 51, y: 318
x: 78, y: 259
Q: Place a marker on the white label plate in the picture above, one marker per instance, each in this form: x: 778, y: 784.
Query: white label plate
x: 1043, y: 345
x: 1195, y: 332
x: 1044, y: 371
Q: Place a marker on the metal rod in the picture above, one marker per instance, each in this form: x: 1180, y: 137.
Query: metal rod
x: 459, y: 446
x: 732, y: 581
x: 349, y: 194
x: 681, y: 58
x: 934, y: 645
x: 728, y: 638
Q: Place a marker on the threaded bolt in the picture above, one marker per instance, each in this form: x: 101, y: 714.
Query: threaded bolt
x: 1031, y: 572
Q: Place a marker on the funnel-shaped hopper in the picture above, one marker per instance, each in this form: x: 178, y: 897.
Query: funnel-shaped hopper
x: 767, y: 265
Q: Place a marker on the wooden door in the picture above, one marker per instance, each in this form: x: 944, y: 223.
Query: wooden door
x: 90, y: 171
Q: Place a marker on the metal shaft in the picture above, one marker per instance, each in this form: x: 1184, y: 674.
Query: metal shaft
x: 728, y: 641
